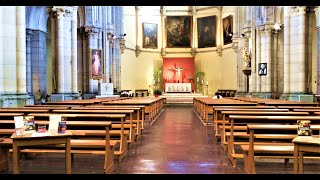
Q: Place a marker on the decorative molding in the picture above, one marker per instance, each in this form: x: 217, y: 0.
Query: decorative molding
x: 163, y: 52
x: 68, y: 13
x: 193, y: 52
x: 122, y: 44
x: 58, y: 12
x: 219, y: 8
x: 298, y: 10
x: 219, y: 50
x: 137, y: 50
x: 93, y: 31
x: 235, y: 44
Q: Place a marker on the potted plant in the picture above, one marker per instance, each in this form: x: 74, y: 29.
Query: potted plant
x: 157, y: 92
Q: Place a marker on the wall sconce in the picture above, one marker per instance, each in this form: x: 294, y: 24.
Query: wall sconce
x: 122, y: 42
x: 277, y: 28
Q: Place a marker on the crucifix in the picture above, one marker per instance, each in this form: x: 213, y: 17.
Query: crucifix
x: 178, y: 69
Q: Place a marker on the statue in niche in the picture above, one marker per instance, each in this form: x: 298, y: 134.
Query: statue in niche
x: 246, y: 56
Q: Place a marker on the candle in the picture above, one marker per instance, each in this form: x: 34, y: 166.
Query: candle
x: 202, y: 81
x: 207, y: 82
x: 158, y: 79
x: 154, y: 81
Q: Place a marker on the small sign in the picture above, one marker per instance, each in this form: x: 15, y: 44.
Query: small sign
x: 62, y: 127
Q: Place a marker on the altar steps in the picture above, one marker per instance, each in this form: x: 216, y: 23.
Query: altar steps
x: 181, y: 98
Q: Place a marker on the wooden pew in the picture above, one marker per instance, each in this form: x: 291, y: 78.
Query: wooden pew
x: 253, y: 119
x: 153, y: 105
x: 25, y: 111
x: 217, y: 116
x: 226, y: 114
x: 79, y: 145
x: 138, y: 115
x: 120, y: 152
x: 204, y: 107
x: 274, y: 142
x: 128, y: 112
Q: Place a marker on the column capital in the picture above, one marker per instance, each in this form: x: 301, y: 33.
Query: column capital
x: 93, y: 31
x: 298, y: 10
x: 59, y: 11
x: 68, y: 12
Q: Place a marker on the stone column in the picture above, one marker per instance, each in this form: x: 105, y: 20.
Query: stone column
x: 1, y: 51
x: 258, y: 58
x: 107, y: 48
x: 286, y: 54
x: 67, y: 50
x: 85, y: 63
x: 74, y: 64
x: 21, y: 49
x: 318, y: 32
x: 102, y: 60
x: 28, y: 59
x: 268, y: 56
x: 253, y: 54
x: 60, y: 49
x: 302, y: 50
x: 53, y: 47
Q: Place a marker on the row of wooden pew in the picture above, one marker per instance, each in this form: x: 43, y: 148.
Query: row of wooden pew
x: 110, y: 127
x: 256, y: 129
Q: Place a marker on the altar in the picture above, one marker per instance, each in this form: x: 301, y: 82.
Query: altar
x: 178, y: 87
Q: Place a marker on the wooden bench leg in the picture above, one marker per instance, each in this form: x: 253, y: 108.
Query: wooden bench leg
x: 4, y: 159
x: 249, y: 164
x: 109, y: 161
x: 286, y: 162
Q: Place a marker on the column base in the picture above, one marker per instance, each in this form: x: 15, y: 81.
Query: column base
x: 64, y: 97
x: 264, y: 95
x: 298, y: 97
x: 89, y: 96
x: 14, y: 100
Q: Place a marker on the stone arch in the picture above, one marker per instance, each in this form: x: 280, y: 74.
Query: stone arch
x: 36, y: 25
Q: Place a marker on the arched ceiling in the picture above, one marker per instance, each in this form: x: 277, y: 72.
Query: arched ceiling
x: 36, y: 18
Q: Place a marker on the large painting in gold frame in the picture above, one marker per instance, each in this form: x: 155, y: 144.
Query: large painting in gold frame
x: 150, y: 35
x: 96, y: 63
x: 179, y: 30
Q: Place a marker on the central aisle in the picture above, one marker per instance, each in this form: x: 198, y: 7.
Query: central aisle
x: 177, y: 143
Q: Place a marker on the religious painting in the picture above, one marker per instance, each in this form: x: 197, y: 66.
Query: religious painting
x: 150, y: 35
x: 179, y: 31
x: 96, y: 64
x: 227, y: 25
x: 207, y: 31
x: 262, y: 69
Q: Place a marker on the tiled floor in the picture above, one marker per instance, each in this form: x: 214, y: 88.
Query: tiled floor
x: 177, y: 143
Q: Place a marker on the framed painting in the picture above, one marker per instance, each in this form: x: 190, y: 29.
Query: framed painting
x: 227, y: 25
x: 179, y: 31
x: 150, y: 35
x: 207, y: 31
x: 96, y: 64
x: 262, y: 69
